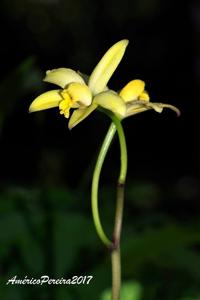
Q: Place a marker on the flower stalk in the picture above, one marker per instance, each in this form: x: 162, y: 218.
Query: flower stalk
x: 95, y: 185
x: 115, y: 254
x: 113, y: 245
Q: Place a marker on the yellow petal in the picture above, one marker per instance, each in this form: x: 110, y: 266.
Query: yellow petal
x: 172, y: 107
x: 144, y: 96
x: 111, y: 101
x: 158, y: 107
x: 142, y: 106
x: 80, y: 114
x: 106, y: 67
x: 62, y: 77
x: 132, y: 90
x: 136, y: 110
x: 80, y: 93
x: 46, y: 100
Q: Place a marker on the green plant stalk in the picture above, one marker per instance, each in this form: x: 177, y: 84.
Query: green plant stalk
x: 113, y: 245
x: 115, y: 254
x: 95, y: 185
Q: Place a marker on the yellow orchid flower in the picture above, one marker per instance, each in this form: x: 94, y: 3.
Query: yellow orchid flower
x: 85, y: 97
x: 75, y: 92
x: 135, y: 100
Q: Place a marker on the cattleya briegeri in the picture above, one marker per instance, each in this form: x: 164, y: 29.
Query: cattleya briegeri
x: 84, y: 97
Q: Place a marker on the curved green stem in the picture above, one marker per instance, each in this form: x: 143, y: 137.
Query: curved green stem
x: 95, y: 184
x: 114, y: 245
x: 123, y: 149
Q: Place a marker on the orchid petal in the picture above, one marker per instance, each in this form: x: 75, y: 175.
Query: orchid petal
x: 111, y: 101
x: 142, y: 106
x: 144, y: 96
x: 132, y: 90
x: 134, y: 111
x: 80, y: 114
x: 106, y: 67
x: 172, y: 107
x: 46, y: 100
x: 80, y: 92
x: 158, y: 107
x: 62, y: 77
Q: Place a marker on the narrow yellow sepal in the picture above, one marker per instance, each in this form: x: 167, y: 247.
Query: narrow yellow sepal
x: 62, y: 77
x: 172, y: 107
x: 111, y: 101
x: 80, y: 114
x: 136, y: 110
x: 141, y: 106
x: 106, y: 67
x: 46, y: 100
x: 132, y: 90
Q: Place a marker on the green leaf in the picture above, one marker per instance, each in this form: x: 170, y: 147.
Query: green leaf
x: 130, y: 291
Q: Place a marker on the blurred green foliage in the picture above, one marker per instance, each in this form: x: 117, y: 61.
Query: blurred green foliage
x: 49, y: 231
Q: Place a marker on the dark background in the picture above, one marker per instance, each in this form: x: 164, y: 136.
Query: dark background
x: 46, y: 224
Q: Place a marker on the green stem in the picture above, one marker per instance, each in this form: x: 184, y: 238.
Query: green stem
x: 115, y: 254
x: 115, y: 244
x: 95, y: 184
x: 123, y: 149
x: 116, y: 273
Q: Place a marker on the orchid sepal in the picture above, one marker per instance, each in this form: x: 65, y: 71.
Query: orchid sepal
x: 62, y: 77
x: 46, y: 100
x: 111, y: 101
x: 106, y: 67
x: 80, y: 114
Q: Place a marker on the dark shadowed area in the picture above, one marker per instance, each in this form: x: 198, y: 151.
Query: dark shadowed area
x: 46, y: 225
